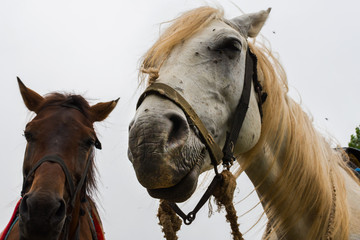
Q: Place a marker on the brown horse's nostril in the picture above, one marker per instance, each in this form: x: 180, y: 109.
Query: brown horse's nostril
x: 24, y: 210
x: 60, y: 213
x: 179, y: 129
x: 42, y: 210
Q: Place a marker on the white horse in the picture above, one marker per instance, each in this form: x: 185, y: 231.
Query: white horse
x: 305, y: 187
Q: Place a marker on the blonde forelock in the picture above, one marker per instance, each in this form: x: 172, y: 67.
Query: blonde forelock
x: 181, y: 29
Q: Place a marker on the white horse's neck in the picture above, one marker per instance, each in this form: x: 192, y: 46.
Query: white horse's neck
x: 292, y: 175
x: 264, y: 172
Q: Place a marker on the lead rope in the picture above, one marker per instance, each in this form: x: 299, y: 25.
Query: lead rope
x: 168, y: 220
x: 223, y: 193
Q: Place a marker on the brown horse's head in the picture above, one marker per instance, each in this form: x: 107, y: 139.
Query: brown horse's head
x: 60, y: 142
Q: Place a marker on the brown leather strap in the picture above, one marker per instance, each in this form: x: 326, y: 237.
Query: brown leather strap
x: 169, y: 93
x: 73, y: 192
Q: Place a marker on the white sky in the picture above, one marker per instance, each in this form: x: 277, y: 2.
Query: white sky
x: 93, y: 47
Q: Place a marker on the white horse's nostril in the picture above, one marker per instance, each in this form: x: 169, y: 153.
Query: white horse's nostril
x: 179, y: 130
x: 131, y: 124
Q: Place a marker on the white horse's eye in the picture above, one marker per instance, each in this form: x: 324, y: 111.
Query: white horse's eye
x: 229, y: 46
x: 231, y: 43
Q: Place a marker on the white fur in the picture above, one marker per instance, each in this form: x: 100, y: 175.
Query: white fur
x: 213, y: 90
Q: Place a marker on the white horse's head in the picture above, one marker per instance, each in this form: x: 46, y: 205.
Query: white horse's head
x: 202, y: 56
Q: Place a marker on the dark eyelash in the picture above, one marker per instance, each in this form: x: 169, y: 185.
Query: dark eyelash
x: 232, y: 44
x: 29, y: 137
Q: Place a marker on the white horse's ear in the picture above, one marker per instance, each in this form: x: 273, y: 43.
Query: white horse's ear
x: 251, y: 24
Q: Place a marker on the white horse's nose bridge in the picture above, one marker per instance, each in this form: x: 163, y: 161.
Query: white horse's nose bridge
x: 162, y: 115
x: 159, y: 105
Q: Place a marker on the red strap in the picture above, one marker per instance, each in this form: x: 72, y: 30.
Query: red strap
x: 98, y: 227
x: 8, y: 226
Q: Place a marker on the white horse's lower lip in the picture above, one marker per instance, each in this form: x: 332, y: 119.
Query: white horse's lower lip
x: 181, y: 191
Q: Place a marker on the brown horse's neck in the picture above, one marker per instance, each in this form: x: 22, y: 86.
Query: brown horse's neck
x: 75, y: 219
x: 80, y: 220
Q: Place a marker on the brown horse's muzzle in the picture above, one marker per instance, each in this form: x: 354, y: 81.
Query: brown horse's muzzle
x: 42, y: 216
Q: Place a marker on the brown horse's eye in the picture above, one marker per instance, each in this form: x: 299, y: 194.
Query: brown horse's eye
x: 29, y: 137
x: 89, y: 142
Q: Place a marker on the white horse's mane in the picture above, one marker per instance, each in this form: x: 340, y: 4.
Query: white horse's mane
x: 309, y: 162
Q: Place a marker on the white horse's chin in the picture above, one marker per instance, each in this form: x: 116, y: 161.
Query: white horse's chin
x: 182, y: 190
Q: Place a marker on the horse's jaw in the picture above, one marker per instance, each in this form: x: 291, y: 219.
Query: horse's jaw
x: 166, y: 153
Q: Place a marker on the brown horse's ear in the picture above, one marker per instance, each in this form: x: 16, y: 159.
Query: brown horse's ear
x: 101, y: 110
x: 31, y: 99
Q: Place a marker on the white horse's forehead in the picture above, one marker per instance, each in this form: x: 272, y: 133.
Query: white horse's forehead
x: 218, y: 29
x: 184, y: 65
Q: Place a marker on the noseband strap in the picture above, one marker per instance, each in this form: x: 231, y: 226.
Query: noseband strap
x: 171, y: 94
x: 53, y: 159
x: 73, y: 193
x: 216, y: 154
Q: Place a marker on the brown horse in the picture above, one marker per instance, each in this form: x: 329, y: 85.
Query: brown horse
x: 58, y: 169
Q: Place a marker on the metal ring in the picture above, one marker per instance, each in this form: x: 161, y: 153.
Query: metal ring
x: 189, y: 218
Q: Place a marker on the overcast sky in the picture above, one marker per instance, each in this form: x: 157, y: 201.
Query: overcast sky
x: 93, y: 47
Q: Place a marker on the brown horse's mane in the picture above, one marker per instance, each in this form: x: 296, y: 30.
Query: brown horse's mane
x: 58, y: 99
x: 80, y: 103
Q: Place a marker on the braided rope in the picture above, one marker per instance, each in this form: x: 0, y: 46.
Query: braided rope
x: 169, y: 221
x: 223, y: 193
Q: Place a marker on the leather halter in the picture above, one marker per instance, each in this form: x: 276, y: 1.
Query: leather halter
x: 216, y: 154
x: 73, y: 192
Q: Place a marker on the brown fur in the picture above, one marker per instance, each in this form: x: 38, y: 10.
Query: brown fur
x: 56, y: 100
x: 63, y: 126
